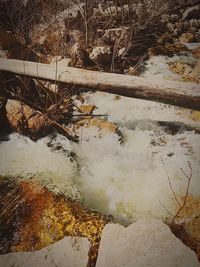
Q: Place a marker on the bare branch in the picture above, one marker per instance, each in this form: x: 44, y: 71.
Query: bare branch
x: 170, y: 213
x: 186, y: 194
x: 175, y: 197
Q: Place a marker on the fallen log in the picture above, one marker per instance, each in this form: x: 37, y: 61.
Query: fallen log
x: 180, y: 94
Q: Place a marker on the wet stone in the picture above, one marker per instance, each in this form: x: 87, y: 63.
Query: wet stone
x: 143, y: 243
x: 70, y: 252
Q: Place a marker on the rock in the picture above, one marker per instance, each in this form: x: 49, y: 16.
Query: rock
x: 187, y: 72
x: 51, y: 40
x: 185, y: 24
x: 61, y: 62
x: 35, y: 123
x: 121, y: 51
x: 76, y: 36
x: 187, y: 37
x: 12, y: 48
x: 175, y: 32
x: 70, y: 252
x: 102, y: 125
x: 14, y: 114
x: 179, y: 27
x: 159, y: 50
x: 165, y: 17
x: 194, y: 23
x: 174, y: 17
x: 195, y: 115
x: 166, y: 39
x: 192, y: 13
x: 108, y: 127
x: 54, y: 212
x: 3, y: 53
x: 25, y: 120
x: 49, y: 34
x: 143, y: 243
x: 24, y: 52
x: 170, y: 27
x: 193, y: 30
x: 176, y: 48
x: 78, y: 55
x: 76, y: 49
x: 87, y: 108
x: 133, y: 71
x: 48, y: 38
x: 101, y: 55
x: 73, y: 11
x: 196, y: 52
x: 4, y: 124
x: 7, y: 39
x: 111, y: 35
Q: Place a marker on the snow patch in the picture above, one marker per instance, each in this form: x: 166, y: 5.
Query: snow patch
x: 157, y: 67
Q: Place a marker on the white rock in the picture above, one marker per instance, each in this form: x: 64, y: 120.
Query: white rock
x: 70, y: 12
x: 144, y: 243
x: 101, y: 55
x: 69, y: 252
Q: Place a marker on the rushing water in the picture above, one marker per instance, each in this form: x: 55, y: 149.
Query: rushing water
x: 128, y: 179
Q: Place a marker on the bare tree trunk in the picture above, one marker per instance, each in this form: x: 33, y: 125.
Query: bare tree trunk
x: 180, y: 94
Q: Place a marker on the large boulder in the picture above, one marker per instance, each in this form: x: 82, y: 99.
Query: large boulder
x: 70, y: 252
x: 144, y: 243
x: 25, y: 120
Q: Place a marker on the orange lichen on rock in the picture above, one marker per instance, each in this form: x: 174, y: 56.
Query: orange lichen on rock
x: 87, y: 108
x: 23, y: 119
x: 187, y: 72
x: 32, y: 217
x: 102, y: 125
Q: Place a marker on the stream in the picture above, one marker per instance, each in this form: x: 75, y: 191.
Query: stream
x: 127, y: 177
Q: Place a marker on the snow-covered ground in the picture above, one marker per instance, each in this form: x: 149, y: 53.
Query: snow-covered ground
x: 157, y: 67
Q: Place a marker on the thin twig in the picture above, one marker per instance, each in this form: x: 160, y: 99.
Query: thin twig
x: 187, y: 192
x: 170, y: 182
x: 166, y: 209
x: 181, y: 205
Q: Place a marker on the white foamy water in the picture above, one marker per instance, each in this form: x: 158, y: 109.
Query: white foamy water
x: 128, y: 179
x: 25, y: 159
